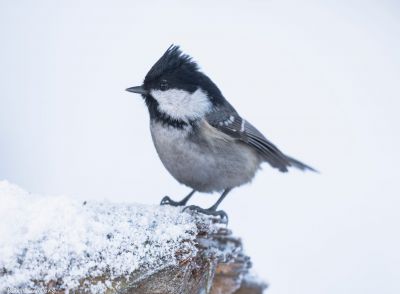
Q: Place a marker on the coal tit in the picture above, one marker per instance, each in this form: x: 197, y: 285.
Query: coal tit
x: 200, y: 138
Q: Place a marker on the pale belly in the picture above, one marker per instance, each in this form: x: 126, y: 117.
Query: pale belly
x: 204, y: 163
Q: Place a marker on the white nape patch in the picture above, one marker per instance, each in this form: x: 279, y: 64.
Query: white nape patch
x: 181, y: 104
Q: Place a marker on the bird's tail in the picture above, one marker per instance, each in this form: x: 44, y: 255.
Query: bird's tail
x: 298, y: 164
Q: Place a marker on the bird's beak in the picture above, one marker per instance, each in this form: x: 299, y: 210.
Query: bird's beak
x: 138, y: 90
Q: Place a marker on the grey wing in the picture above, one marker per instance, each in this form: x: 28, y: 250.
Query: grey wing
x: 229, y: 122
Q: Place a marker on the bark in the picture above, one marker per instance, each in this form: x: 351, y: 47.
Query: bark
x: 219, y: 267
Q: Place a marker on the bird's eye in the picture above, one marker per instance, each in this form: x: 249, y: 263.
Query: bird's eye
x: 163, y: 85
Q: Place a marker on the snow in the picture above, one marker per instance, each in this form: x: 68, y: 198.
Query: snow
x: 252, y: 278
x: 62, y: 239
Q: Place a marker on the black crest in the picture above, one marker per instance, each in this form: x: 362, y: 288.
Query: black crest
x: 171, y: 60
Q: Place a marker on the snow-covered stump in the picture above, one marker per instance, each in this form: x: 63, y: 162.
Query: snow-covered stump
x: 60, y: 244
x: 218, y: 267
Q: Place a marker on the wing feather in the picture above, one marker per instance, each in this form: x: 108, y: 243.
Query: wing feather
x: 229, y: 122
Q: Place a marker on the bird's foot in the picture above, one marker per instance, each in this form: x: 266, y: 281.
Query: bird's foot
x: 168, y: 201
x: 222, y: 214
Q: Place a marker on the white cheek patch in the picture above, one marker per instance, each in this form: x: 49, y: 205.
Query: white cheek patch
x: 182, y: 105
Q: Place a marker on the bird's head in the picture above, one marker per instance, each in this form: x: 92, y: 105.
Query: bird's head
x: 175, y: 87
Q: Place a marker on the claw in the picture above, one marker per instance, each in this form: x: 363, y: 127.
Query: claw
x: 222, y: 214
x: 168, y: 201
x: 165, y: 200
x: 192, y: 207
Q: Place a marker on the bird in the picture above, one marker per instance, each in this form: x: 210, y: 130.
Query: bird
x: 200, y: 138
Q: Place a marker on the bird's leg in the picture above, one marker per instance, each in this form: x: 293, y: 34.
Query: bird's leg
x: 213, y: 209
x: 168, y: 201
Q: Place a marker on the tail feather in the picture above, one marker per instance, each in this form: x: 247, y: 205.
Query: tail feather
x: 298, y: 164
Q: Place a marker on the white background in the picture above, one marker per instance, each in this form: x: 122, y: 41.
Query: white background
x: 320, y: 79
